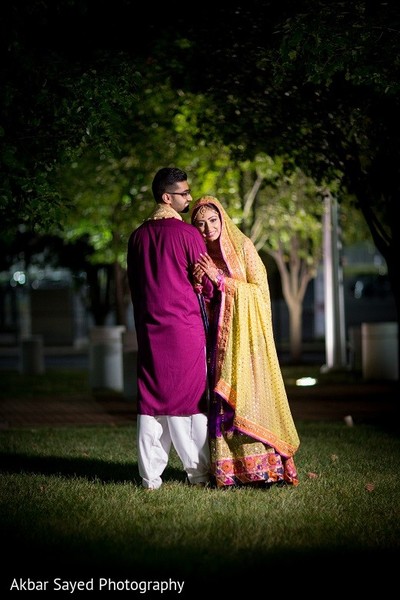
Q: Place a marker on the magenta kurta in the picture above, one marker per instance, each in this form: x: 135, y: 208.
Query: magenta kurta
x: 170, y: 332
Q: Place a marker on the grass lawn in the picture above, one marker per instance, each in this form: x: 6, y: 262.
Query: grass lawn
x: 73, y: 513
x: 72, y: 510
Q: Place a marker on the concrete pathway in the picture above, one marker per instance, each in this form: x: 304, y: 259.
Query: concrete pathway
x: 366, y: 403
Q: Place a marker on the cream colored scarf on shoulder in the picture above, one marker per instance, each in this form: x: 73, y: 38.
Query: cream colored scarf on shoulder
x: 164, y: 211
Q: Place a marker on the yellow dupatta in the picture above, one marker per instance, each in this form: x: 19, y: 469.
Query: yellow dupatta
x: 248, y: 374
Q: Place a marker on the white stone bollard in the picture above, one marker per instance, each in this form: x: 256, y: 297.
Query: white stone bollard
x: 380, y: 350
x: 105, y: 357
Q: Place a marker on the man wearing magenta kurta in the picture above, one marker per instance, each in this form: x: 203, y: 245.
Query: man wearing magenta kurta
x: 171, y: 370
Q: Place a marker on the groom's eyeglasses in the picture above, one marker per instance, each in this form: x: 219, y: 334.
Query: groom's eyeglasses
x: 183, y: 194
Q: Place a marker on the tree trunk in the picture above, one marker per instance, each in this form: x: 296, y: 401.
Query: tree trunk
x: 121, y: 295
x: 295, y: 330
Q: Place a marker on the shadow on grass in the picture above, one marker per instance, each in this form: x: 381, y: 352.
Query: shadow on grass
x: 90, y: 469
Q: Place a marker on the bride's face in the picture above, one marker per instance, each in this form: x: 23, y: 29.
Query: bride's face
x: 208, y: 223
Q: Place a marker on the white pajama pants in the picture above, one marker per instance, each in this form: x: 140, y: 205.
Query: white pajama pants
x: 189, y: 437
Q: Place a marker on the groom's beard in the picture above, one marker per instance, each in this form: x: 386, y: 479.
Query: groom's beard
x: 186, y: 209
